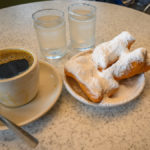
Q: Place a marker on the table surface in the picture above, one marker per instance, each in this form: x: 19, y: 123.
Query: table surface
x: 71, y: 124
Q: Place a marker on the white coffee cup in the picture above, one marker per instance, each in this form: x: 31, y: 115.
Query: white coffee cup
x: 22, y: 88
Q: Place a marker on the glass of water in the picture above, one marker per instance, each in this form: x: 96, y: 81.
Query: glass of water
x: 82, y: 20
x: 50, y: 28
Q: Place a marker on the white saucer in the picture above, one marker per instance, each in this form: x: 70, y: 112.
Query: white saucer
x: 129, y: 89
x: 50, y: 87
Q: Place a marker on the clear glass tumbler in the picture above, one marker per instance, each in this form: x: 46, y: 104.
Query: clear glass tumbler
x: 50, y: 28
x: 82, y: 20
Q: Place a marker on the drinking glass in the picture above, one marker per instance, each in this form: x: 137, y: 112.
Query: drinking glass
x: 50, y: 28
x: 82, y: 20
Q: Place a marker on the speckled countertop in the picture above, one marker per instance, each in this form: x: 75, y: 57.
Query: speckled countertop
x: 71, y: 125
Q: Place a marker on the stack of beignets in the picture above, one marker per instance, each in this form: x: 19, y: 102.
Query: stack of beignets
x: 98, y: 71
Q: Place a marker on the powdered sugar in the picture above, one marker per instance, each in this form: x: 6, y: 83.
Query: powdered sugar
x: 108, y: 52
x: 123, y: 65
x: 84, y: 66
x: 85, y: 71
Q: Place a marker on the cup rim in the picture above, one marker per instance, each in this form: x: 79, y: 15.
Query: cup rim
x: 42, y: 10
x: 35, y: 62
x: 81, y: 4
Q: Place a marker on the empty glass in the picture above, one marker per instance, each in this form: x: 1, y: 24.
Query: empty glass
x: 82, y: 19
x: 50, y: 28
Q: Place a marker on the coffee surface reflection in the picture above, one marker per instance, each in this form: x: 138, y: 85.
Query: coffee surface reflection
x: 14, y: 62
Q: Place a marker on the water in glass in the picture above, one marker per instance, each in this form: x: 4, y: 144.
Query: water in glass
x: 82, y: 29
x: 51, y: 36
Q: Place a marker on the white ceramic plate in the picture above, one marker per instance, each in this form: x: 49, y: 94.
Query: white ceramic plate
x: 129, y: 89
x: 50, y: 87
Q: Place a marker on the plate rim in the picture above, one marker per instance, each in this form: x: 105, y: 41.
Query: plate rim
x: 102, y: 105
x: 60, y: 83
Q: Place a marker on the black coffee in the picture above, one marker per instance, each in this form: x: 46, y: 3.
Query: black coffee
x: 14, y: 62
